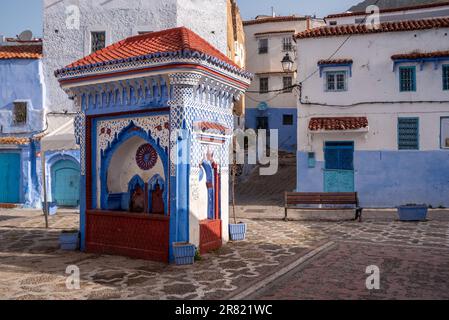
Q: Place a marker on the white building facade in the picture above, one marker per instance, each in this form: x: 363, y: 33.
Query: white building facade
x: 423, y: 11
x: 374, y: 118
x: 268, y: 40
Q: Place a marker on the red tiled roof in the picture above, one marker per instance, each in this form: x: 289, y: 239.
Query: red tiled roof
x: 21, y: 52
x: 166, y: 41
x: 338, y: 124
x: 274, y: 32
x: 14, y: 141
x: 204, y: 126
x: 416, y: 7
x: 335, y: 61
x: 273, y: 19
x: 420, y: 55
x: 396, y: 26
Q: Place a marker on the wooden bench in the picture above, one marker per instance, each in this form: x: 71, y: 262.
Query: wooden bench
x: 293, y: 200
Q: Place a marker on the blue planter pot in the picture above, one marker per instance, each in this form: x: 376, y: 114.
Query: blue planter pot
x: 52, y: 208
x: 412, y: 213
x: 184, y: 253
x: 69, y: 241
x: 237, y: 232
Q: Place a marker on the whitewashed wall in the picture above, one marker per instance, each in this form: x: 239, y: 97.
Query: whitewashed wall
x: 373, y: 80
x: 271, y: 62
x: 120, y: 19
x: 396, y: 15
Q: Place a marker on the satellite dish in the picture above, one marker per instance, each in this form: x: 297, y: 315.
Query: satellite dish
x: 27, y: 35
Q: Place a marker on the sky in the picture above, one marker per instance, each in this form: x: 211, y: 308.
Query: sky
x: 19, y: 15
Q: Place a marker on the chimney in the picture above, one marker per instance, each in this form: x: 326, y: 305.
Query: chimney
x: 2, y: 39
x: 273, y: 14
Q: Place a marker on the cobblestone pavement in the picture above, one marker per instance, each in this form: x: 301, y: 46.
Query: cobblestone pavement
x: 414, y: 257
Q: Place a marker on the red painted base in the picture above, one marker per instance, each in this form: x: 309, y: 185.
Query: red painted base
x: 210, y: 235
x: 138, y: 236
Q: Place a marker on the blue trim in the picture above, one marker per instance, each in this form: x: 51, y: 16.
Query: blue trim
x: 83, y: 212
x: 175, y: 54
x: 421, y: 61
x: 445, y: 69
x: 121, y: 138
x: 335, y: 65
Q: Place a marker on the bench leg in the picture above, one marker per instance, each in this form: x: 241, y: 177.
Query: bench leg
x: 286, y: 215
x: 358, y: 214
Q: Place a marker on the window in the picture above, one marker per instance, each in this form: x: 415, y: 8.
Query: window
x: 288, y: 83
x: 98, y: 40
x: 336, y: 81
x: 445, y: 133
x: 333, y: 23
x: 263, y: 85
x: 339, y: 155
x: 446, y: 77
x: 407, y: 79
x: 262, y: 123
x: 287, y: 120
x: 287, y: 44
x: 408, y: 133
x: 263, y: 46
x: 20, y: 113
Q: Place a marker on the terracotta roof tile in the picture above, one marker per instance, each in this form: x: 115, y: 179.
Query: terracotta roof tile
x: 14, y: 141
x: 335, y: 61
x: 21, y: 52
x: 274, y: 32
x: 396, y: 26
x: 273, y: 19
x: 421, y: 55
x: 167, y: 41
x: 416, y: 7
x: 338, y: 124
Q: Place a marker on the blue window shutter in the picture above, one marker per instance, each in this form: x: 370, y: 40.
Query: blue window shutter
x: 446, y: 77
x: 407, y: 79
x: 408, y: 133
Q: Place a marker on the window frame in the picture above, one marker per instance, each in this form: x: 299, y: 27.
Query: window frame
x: 260, y: 47
x: 287, y: 46
x: 335, y: 73
x: 14, y: 113
x: 413, y: 79
x: 445, y: 69
x: 418, y: 135
x: 441, y: 133
x: 92, y: 32
x: 287, y: 123
x: 267, y: 85
x: 289, y: 87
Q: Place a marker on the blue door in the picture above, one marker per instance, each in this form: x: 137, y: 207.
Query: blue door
x: 339, y: 167
x: 65, y: 175
x: 10, y: 177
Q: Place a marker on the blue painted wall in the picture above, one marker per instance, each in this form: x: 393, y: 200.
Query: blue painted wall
x: 386, y: 179
x: 21, y: 80
x: 287, y: 134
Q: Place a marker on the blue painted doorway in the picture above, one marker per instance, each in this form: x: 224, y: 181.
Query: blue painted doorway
x: 339, y: 167
x: 10, y: 177
x: 65, y: 175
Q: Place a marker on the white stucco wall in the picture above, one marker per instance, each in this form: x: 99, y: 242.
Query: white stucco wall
x: 120, y: 19
x: 123, y: 167
x: 400, y: 15
x: 269, y: 65
x: 373, y: 80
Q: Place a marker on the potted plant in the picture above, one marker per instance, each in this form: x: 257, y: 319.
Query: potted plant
x: 184, y: 253
x: 413, y: 212
x: 237, y: 231
x: 69, y: 240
